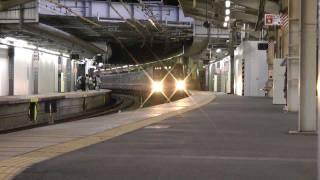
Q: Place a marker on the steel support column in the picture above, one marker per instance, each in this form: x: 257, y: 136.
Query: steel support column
x: 60, y: 75
x: 308, y: 66
x: 318, y: 90
x: 132, y: 11
x: 90, y: 8
x: 231, y: 52
x: 84, y: 9
x: 108, y: 9
x: 69, y: 75
x: 178, y: 14
x: 35, y: 71
x: 11, y: 70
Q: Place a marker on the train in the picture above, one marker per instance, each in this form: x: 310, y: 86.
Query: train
x: 167, y: 81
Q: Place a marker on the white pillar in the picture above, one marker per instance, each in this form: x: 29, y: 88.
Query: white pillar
x: 293, y: 56
x: 308, y: 67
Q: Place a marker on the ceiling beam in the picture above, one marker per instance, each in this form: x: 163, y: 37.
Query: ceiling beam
x: 7, y: 4
x: 270, y: 6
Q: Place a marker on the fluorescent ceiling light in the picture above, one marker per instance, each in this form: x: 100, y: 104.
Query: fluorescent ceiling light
x: 225, y: 24
x: 49, y: 51
x: 227, y: 12
x: 228, y: 3
x: 227, y: 19
x: 2, y: 46
x: 153, y: 24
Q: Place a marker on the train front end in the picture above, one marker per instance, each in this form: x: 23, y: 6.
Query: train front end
x: 169, y: 82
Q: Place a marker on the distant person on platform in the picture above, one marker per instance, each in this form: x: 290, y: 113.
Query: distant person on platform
x: 87, y: 82
x: 91, y: 86
x: 83, y: 83
x: 79, y: 82
x: 98, y: 82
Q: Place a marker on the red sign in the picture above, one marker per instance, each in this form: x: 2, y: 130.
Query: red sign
x: 269, y: 19
x: 272, y: 20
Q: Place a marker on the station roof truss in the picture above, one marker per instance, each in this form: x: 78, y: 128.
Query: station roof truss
x: 245, y: 11
x: 130, y: 32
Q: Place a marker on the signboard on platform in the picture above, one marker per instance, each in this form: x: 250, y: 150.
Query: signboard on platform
x: 272, y: 19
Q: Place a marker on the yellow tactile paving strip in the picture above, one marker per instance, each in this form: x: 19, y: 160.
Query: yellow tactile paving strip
x: 11, y: 167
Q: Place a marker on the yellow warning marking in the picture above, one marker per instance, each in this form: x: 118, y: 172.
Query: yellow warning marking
x: 11, y: 167
x: 34, y: 100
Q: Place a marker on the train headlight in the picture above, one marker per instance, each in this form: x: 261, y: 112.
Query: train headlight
x: 181, y: 85
x: 157, y: 86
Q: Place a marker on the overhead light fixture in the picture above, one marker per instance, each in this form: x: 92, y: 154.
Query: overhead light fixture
x: 228, y: 3
x: 218, y: 50
x: 225, y: 24
x: 227, y: 19
x: 152, y: 23
x: 2, y: 46
x: 110, y: 20
x: 227, y: 12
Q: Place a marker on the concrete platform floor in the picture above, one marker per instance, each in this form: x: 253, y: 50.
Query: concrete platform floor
x: 232, y: 138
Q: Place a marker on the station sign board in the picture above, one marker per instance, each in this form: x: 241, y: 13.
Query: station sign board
x: 272, y: 19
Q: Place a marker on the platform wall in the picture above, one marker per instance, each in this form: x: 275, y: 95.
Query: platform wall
x: 48, y: 73
x: 23, y: 80
x: 16, y: 114
x: 24, y: 75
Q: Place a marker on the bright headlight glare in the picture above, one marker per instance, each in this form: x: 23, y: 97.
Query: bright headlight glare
x: 157, y: 86
x: 180, y: 85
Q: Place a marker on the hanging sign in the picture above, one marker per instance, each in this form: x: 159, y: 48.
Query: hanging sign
x: 272, y: 19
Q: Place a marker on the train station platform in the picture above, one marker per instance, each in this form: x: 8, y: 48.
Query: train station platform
x: 21, y: 149
x: 229, y: 138
x: 28, y: 110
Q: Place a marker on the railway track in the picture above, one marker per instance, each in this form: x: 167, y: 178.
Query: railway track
x: 124, y: 102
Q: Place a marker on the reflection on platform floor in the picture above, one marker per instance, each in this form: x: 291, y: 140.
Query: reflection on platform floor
x: 231, y: 138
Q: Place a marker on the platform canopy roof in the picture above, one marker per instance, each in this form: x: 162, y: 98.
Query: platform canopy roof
x: 244, y: 11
